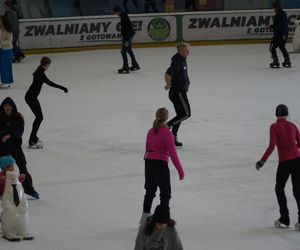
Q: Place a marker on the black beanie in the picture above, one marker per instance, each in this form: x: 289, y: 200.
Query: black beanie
x: 162, y: 214
x: 117, y: 9
x: 276, y: 5
x: 282, y: 110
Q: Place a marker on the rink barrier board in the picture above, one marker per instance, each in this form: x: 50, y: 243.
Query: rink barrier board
x: 157, y: 30
x: 153, y: 45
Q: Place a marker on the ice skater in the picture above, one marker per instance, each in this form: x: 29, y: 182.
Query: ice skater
x: 177, y: 82
x: 285, y: 135
x: 159, y: 146
x: 280, y: 36
x: 31, y: 99
x: 11, y: 131
x: 159, y: 232
x: 6, y: 53
x: 127, y: 33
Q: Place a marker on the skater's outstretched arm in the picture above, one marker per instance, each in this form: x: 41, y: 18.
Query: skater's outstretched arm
x: 54, y: 85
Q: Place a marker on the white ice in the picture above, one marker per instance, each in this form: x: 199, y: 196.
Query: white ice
x: 90, y: 173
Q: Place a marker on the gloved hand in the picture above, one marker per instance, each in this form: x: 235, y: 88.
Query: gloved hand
x: 260, y: 164
x: 65, y: 90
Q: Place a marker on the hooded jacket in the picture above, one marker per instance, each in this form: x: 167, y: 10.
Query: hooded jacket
x: 280, y: 24
x: 12, y: 125
x: 179, y: 73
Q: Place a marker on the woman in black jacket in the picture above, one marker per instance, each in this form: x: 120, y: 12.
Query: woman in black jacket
x: 11, y: 131
x: 31, y: 99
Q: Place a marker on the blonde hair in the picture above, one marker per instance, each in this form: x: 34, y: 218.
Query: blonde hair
x: 161, y: 116
x: 182, y: 45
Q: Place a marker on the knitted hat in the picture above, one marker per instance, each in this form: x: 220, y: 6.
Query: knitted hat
x: 161, y: 214
x: 117, y: 9
x: 6, y: 161
x: 282, y: 110
x: 276, y: 5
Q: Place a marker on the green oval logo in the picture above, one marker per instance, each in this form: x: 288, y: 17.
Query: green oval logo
x: 159, y: 29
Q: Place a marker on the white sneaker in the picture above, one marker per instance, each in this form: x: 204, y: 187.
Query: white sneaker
x: 297, y: 226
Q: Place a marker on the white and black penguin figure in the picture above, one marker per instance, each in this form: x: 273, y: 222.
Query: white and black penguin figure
x: 296, y: 38
x: 14, y: 221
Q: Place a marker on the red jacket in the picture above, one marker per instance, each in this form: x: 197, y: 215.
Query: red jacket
x: 286, y: 137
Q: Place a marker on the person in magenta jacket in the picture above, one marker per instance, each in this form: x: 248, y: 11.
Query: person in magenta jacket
x: 285, y: 135
x: 159, y: 147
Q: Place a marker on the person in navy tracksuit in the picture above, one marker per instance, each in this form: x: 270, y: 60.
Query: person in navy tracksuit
x: 280, y: 36
x: 177, y: 82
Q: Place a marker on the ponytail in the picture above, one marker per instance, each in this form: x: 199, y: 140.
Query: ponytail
x: 161, y: 117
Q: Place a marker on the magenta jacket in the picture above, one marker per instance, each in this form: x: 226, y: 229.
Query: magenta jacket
x: 160, y: 146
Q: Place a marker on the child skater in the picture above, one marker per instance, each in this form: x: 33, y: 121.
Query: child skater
x: 31, y: 99
x: 159, y: 232
x: 285, y: 135
x: 159, y: 146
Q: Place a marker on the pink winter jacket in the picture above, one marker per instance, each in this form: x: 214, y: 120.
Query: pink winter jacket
x: 160, y: 146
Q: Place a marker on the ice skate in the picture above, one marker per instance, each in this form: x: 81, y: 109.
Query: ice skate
x: 177, y: 143
x: 124, y: 70
x: 36, y: 145
x: 282, y: 223
x: 287, y: 63
x: 134, y: 66
x: 35, y: 195
x: 297, y: 226
x: 144, y: 218
x: 275, y: 64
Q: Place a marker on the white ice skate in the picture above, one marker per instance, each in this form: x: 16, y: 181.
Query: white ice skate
x: 279, y: 224
x: 297, y: 226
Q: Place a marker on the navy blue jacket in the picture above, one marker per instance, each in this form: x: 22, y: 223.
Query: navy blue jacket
x: 179, y: 73
x: 12, y: 125
x: 280, y: 25
x: 126, y: 27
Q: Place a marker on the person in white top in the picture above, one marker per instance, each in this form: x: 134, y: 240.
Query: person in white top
x: 6, y: 53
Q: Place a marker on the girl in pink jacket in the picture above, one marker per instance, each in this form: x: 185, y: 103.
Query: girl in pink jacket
x: 159, y: 147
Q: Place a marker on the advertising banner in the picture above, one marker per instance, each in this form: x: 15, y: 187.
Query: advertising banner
x: 62, y: 33
x: 232, y: 25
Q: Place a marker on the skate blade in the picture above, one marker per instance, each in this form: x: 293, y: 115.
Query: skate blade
x: 35, y: 147
x: 12, y: 240
x: 29, y: 238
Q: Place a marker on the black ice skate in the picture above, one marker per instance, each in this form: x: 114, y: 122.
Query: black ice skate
x: 275, y: 64
x: 282, y: 222
x: 134, y: 66
x: 36, y: 145
x: 124, y: 70
x: 177, y: 143
x: 16, y: 60
x: 287, y: 63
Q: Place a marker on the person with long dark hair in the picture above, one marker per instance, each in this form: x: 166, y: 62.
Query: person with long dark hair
x: 158, y: 232
x: 12, y: 17
x: 285, y: 135
x: 31, y: 98
x: 11, y: 132
x: 6, y: 53
x: 159, y: 146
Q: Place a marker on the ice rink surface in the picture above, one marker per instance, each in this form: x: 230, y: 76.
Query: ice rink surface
x: 90, y: 173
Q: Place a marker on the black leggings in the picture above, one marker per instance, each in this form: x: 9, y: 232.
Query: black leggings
x: 35, y: 107
x: 157, y: 174
x: 182, y: 109
x: 21, y: 163
x: 285, y: 169
x: 278, y: 42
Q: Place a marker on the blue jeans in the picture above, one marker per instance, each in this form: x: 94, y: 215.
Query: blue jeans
x: 6, y: 57
x: 126, y: 48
